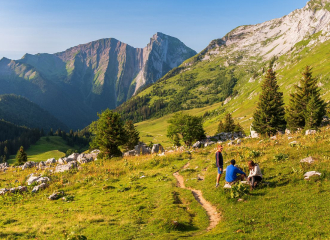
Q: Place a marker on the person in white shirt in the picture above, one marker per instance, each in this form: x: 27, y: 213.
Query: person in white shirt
x: 255, y: 175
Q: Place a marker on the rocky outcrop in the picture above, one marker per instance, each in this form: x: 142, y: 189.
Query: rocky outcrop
x: 157, y: 148
x: 39, y: 187
x: 37, y: 179
x: 29, y: 165
x: 51, y: 161
x: 310, y: 132
x: 311, y: 174
x: 18, y: 189
x: 66, y: 167
x: 142, y: 149
x: 275, y: 37
x: 307, y: 160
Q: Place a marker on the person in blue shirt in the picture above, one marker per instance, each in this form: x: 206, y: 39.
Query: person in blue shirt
x: 219, y: 162
x: 231, y: 173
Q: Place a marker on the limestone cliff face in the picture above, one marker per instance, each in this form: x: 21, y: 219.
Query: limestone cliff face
x: 275, y: 37
x: 89, y: 78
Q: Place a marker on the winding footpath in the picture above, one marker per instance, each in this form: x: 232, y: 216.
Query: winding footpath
x: 211, y: 210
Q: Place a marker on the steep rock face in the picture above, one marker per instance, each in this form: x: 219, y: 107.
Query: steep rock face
x: 275, y: 37
x: 76, y: 84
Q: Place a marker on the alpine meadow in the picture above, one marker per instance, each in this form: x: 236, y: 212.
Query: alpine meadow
x: 104, y: 140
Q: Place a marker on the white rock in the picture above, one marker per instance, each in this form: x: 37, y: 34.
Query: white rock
x: 39, y: 187
x: 310, y: 174
x: 310, y: 132
x: 66, y: 167
x: 307, y: 160
x: 157, y: 148
x: 50, y: 161
x: 37, y: 179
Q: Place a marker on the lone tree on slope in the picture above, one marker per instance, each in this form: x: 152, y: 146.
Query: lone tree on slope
x: 109, y: 133
x: 269, y: 115
x: 306, y: 108
x: 186, y: 128
x: 21, y: 156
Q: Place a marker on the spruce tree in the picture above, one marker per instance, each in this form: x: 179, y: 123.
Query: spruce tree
x: 229, y: 125
x: 109, y: 133
x: 221, y: 127
x: 133, y: 135
x: 297, y: 111
x: 269, y: 115
x: 312, y: 118
x: 21, y: 156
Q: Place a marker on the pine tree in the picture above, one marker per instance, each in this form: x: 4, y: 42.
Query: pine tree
x: 6, y: 152
x: 269, y: 115
x: 221, y: 127
x: 297, y: 110
x: 312, y: 118
x: 21, y: 156
x: 238, y: 128
x: 109, y: 133
x: 229, y: 125
x: 133, y: 135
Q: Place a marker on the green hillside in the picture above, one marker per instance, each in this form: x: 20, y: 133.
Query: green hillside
x: 22, y: 112
x: 138, y: 197
x: 244, y: 88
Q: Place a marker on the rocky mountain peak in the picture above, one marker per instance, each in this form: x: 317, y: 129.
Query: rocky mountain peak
x: 275, y: 37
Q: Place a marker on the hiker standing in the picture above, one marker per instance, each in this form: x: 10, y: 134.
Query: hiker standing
x: 219, y: 162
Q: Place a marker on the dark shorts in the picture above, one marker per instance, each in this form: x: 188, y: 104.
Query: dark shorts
x: 219, y: 172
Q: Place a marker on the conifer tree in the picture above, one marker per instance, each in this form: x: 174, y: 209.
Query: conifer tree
x: 269, y: 115
x: 109, y: 133
x: 306, y: 91
x: 221, y: 127
x: 238, y: 128
x: 21, y: 156
x: 229, y: 125
x: 132, y: 134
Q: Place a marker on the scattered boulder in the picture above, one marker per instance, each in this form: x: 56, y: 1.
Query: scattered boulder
x: 29, y: 165
x: 18, y: 189
x: 209, y: 143
x: 84, y: 158
x: 66, y: 167
x: 50, y: 161
x: 254, y: 134
x: 142, y: 149
x: 231, y: 143
x: 197, y: 144
x: 239, y: 141
x: 73, y: 156
x: 310, y: 132
x: 4, y: 166
x: 62, y: 160
x: 56, y: 196
x: 130, y: 153
x: 310, y: 174
x: 37, y: 179
x: 307, y: 160
x: 42, y: 164
x: 39, y: 187
x: 294, y: 143
x: 157, y: 148
x: 273, y: 138
x: 95, y: 153
x: 287, y: 131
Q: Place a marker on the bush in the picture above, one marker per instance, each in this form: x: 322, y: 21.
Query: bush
x: 238, y: 190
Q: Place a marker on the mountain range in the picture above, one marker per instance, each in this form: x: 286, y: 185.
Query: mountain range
x: 76, y: 84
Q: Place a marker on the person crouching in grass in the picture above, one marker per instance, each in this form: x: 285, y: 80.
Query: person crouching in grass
x: 231, y: 173
x: 219, y: 162
x: 255, y: 175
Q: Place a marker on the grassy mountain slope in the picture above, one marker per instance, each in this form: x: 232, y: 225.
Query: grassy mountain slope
x: 22, y: 112
x: 111, y: 198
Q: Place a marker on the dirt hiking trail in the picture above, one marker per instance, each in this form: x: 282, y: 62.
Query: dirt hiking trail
x: 211, y: 210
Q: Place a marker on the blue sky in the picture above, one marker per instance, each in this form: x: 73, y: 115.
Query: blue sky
x: 38, y: 26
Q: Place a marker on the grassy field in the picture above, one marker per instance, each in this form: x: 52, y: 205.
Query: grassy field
x: 45, y: 148
x: 137, y: 197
